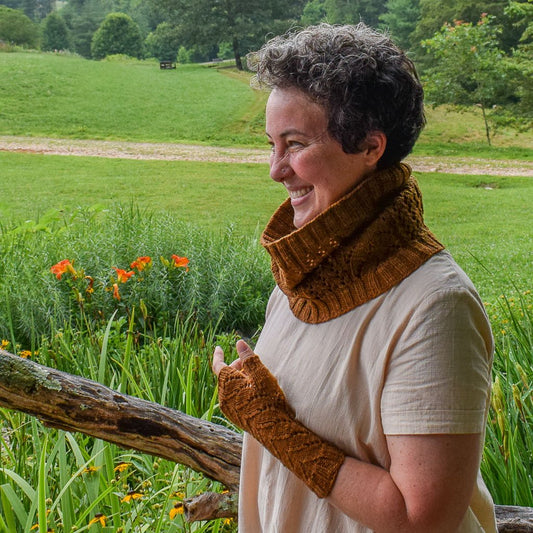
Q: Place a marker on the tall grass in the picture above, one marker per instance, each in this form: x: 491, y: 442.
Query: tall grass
x: 54, y: 480
x: 227, y: 281
x: 508, y: 460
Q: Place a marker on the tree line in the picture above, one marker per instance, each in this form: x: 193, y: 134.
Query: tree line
x: 469, y: 51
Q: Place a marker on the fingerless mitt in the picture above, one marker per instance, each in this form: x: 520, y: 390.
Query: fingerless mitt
x: 253, y: 400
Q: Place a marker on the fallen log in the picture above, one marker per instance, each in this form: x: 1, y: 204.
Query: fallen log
x: 74, y: 403
x: 513, y: 519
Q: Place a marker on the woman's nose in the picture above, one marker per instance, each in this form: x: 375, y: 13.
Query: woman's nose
x: 280, y: 168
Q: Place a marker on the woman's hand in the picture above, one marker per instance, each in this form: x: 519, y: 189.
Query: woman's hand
x: 250, y: 396
x: 243, y: 350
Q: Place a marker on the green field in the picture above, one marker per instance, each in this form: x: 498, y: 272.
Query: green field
x: 484, y: 228
x: 67, y: 96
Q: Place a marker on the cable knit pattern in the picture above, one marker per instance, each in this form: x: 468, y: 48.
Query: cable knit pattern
x: 253, y: 400
x: 359, y: 248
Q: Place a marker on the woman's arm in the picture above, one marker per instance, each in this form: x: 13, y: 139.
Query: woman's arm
x: 431, y: 477
x: 427, y: 489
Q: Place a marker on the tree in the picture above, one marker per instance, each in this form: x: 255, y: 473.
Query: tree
x: 242, y: 23
x: 33, y: 9
x: 17, y: 28
x: 164, y: 42
x: 401, y: 19
x: 55, y: 33
x: 117, y: 34
x: 434, y: 13
x: 354, y: 11
x: 470, y: 68
x: 314, y: 12
x: 83, y: 17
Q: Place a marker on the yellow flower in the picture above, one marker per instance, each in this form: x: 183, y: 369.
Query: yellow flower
x: 227, y: 521
x: 121, y: 467
x: 91, y: 470
x: 25, y: 354
x: 176, y: 510
x: 132, y: 495
x: 99, y: 518
x: 179, y: 495
x: 4, y: 344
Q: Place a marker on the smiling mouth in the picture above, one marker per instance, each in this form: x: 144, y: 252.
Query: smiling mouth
x: 299, y: 193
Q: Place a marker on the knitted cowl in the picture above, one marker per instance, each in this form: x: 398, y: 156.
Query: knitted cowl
x: 360, y: 247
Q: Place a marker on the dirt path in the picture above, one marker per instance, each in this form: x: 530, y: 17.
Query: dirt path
x: 189, y: 152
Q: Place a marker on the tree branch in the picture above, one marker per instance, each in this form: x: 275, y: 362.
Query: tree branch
x: 74, y: 403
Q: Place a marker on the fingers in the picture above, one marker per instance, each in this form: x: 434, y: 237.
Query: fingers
x: 244, y: 350
x: 218, y: 360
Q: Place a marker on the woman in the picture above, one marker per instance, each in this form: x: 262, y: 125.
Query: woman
x: 365, y: 402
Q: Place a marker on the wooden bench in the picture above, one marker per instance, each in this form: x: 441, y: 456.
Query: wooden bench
x: 167, y: 65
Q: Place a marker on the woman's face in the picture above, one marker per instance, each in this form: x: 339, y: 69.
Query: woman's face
x: 306, y: 159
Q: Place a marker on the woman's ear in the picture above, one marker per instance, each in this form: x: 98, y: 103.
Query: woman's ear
x: 374, y: 146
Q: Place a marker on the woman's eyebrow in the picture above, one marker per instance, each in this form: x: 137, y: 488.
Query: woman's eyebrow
x: 291, y: 131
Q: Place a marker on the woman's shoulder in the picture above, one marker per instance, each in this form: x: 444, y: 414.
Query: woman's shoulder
x: 439, y: 274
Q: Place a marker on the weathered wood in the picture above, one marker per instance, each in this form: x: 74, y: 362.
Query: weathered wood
x: 513, y: 519
x: 74, y: 403
x: 211, y: 505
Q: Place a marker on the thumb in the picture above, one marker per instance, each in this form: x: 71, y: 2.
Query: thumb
x: 244, y: 350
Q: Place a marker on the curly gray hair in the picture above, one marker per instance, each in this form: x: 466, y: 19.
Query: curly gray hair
x: 362, y: 79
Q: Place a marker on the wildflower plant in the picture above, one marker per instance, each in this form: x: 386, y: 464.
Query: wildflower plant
x: 126, y: 287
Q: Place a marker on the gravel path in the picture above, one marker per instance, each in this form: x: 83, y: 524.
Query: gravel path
x: 190, y: 152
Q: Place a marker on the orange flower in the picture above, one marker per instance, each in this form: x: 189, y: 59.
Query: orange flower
x: 122, y: 275
x: 116, y: 293
x: 180, y: 261
x: 62, y: 267
x: 98, y: 518
x: 141, y: 263
x: 90, y: 283
x: 25, y: 354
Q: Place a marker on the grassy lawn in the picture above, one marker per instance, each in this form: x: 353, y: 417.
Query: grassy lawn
x: 66, y: 96
x: 71, y: 97
x: 487, y: 230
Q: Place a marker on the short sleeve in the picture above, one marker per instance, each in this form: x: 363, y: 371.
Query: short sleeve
x: 439, y: 372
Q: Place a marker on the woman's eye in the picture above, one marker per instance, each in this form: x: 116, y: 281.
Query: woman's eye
x: 294, y: 145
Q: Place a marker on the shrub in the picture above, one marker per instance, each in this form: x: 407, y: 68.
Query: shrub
x: 55, y: 33
x: 164, y: 42
x: 226, y: 283
x: 118, y: 34
x: 17, y: 28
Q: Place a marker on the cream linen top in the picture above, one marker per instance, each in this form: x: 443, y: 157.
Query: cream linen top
x: 415, y: 360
